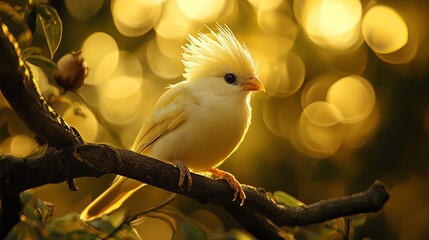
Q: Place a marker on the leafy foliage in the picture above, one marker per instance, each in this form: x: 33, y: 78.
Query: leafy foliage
x: 41, y: 61
x: 51, y: 25
x: 25, y: 16
x: 36, y: 224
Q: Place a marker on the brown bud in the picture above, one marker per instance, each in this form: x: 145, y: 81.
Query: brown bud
x: 71, y: 71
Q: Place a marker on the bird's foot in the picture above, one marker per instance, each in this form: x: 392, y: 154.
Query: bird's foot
x: 184, y: 172
x: 233, y: 183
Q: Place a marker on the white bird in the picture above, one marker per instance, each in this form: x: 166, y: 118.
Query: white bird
x: 199, y: 122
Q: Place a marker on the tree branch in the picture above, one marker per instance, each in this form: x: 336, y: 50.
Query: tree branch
x: 94, y: 160
x: 23, y: 94
x: 68, y: 157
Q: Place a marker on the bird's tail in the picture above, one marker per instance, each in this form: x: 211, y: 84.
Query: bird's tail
x: 111, y: 199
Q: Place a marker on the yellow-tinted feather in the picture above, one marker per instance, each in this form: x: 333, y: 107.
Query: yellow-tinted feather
x: 167, y: 115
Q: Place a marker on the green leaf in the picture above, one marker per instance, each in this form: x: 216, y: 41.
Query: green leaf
x: 44, y: 210
x: 191, y: 231
x: 51, y: 25
x: 330, y: 235
x: 117, y: 217
x: 40, y: 9
x: 287, y: 235
x: 70, y: 226
x: 339, y: 225
x: 102, y: 225
x: 20, y: 230
x: 358, y: 220
x: 235, y: 234
x: 32, y: 230
x: 40, y: 209
x: 30, y: 214
x: 69, y: 218
x: 286, y: 199
x: 25, y: 197
x: 41, y: 61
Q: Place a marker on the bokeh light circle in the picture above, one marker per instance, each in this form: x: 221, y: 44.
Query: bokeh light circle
x: 83, y: 9
x: 358, y: 134
x: 20, y: 145
x: 285, y: 76
x: 120, y: 99
x: 163, y: 66
x: 322, y: 114
x: 281, y: 115
x: 173, y: 23
x: 126, y: 64
x: 331, y: 24
x: 405, y: 54
x: 318, y: 141
x: 83, y: 120
x: 134, y: 18
x: 203, y: 11
x: 354, y: 97
x: 384, y: 30
x: 277, y: 23
x: 266, y: 4
x: 94, y: 49
x: 316, y: 89
x: 170, y: 47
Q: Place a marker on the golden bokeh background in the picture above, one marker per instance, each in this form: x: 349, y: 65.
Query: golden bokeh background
x: 347, y: 98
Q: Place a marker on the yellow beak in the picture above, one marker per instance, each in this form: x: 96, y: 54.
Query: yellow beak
x: 253, y: 84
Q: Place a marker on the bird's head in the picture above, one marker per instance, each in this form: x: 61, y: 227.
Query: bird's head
x: 221, y: 62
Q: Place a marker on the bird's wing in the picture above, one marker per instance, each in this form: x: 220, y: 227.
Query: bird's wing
x: 169, y: 113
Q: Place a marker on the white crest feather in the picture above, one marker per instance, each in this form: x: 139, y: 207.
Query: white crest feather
x: 205, y: 56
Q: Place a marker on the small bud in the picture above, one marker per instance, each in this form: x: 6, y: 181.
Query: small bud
x: 71, y: 71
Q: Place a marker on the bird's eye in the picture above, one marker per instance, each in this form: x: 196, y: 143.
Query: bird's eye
x: 230, y: 78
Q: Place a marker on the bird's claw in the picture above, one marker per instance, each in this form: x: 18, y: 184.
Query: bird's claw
x: 184, y: 172
x: 233, y: 183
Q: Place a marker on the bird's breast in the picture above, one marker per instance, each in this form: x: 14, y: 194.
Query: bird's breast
x: 211, y: 132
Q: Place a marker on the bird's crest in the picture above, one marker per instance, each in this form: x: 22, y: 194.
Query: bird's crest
x: 209, y: 56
